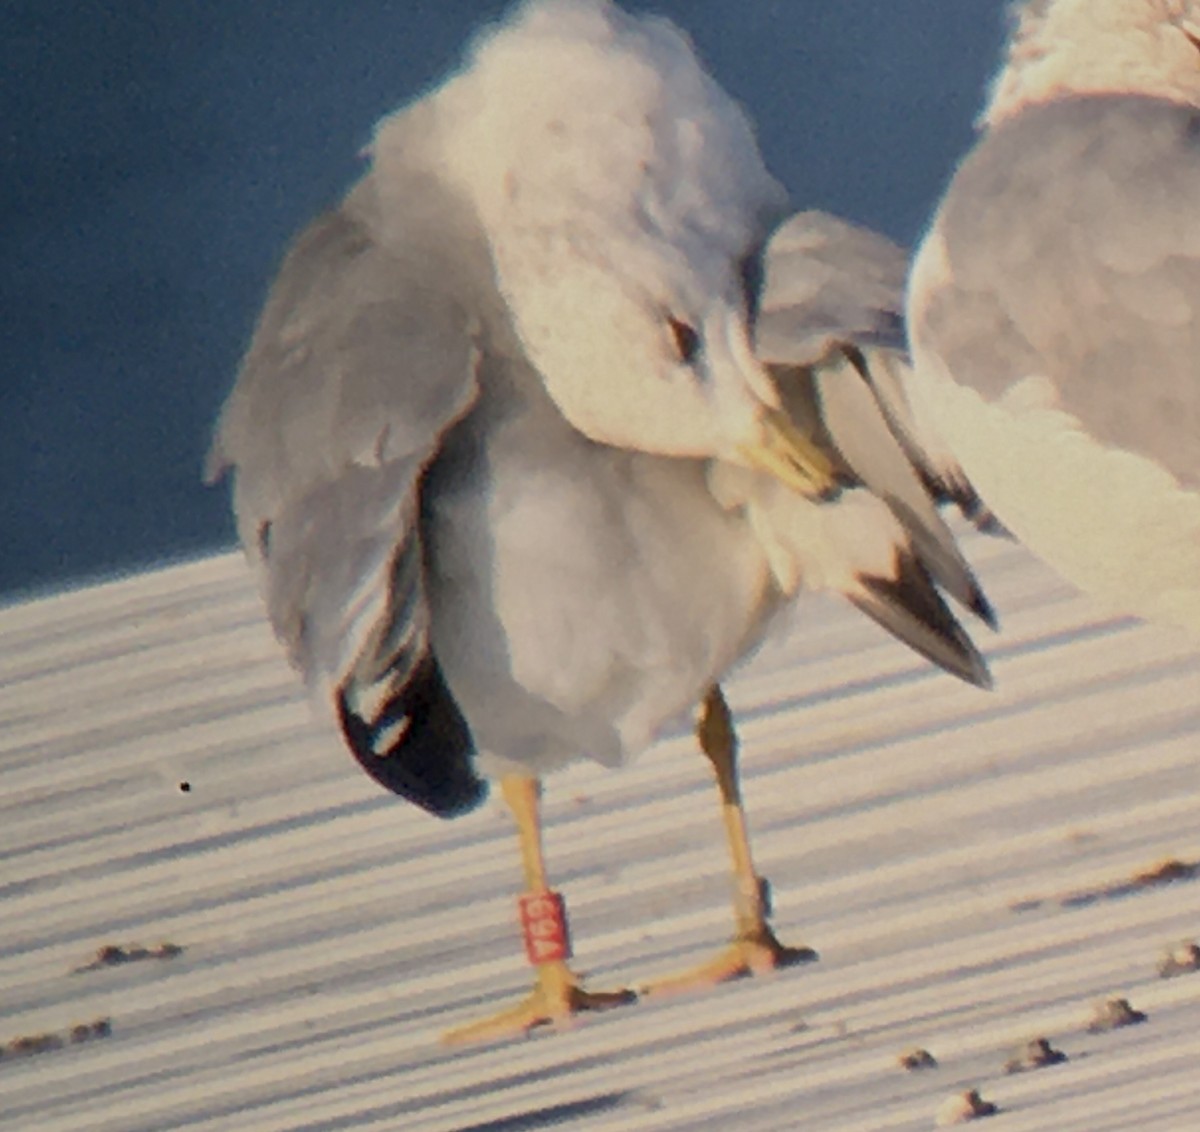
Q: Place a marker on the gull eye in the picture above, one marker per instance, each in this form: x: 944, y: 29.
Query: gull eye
x: 687, y: 340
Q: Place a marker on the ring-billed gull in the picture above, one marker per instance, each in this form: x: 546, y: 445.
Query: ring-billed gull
x: 1053, y: 305
x: 516, y: 484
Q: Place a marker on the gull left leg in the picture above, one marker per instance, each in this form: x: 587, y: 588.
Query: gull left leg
x: 755, y: 948
x: 558, y: 993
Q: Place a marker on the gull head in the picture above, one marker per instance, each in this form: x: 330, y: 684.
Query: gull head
x: 625, y: 204
x: 1061, y: 48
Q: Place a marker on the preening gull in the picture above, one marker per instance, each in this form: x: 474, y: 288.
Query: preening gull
x: 517, y: 485
x: 1054, y: 303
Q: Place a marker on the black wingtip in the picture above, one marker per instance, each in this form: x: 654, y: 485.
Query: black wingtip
x: 419, y: 746
x: 983, y: 609
x: 955, y: 488
x: 911, y: 609
x: 952, y: 487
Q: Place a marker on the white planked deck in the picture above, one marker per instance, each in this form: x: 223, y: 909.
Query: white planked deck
x: 952, y: 854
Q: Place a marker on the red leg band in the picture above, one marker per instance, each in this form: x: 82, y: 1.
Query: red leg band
x: 544, y: 926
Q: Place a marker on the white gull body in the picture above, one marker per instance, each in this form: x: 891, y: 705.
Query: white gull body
x: 1054, y: 306
x: 495, y: 440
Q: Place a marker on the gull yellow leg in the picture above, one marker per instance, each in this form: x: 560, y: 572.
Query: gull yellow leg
x: 557, y: 992
x: 754, y: 949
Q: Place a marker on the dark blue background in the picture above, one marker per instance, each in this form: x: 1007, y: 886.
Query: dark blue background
x: 157, y: 156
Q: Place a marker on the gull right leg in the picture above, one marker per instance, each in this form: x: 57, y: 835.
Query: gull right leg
x: 754, y: 949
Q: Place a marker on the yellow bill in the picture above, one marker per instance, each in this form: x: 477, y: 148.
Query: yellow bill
x: 784, y: 452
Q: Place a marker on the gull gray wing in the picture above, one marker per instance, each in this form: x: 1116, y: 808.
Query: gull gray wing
x: 363, y: 358
x: 1073, y: 236
x: 831, y: 284
x: 829, y: 327
x: 1058, y: 289
x: 826, y: 282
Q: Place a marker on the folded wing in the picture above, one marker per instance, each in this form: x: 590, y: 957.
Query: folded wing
x: 830, y: 330
x: 362, y: 360
x: 1053, y: 313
